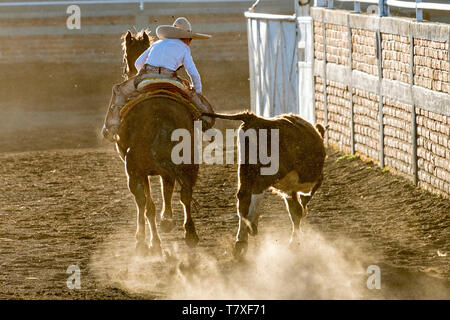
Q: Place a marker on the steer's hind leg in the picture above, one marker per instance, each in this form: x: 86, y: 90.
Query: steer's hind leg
x: 167, y: 186
x: 305, y: 199
x: 296, y: 213
x: 253, y: 214
x: 243, y: 204
x: 190, y: 235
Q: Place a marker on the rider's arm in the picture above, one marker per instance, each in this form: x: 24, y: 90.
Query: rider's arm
x: 191, y: 70
x: 141, y: 60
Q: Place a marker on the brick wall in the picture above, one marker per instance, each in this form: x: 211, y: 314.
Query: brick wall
x: 339, y: 115
x: 319, y: 98
x: 431, y: 64
x: 396, y: 57
x: 415, y: 148
x: 364, y: 51
x: 318, y: 40
x: 367, y: 128
x: 397, y: 137
x: 336, y: 40
x: 433, y: 151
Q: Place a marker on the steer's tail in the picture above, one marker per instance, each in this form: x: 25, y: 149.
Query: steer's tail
x: 242, y: 116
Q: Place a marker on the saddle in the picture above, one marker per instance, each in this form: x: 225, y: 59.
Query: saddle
x: 156, y: 85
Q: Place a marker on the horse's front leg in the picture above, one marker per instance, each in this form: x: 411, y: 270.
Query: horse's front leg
x: 167, y: 186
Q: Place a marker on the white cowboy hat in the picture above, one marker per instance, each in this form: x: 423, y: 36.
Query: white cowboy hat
x: 181, y: 28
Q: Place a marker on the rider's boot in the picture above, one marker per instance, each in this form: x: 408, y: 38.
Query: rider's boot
x: 121, y: 93
x: 205, y: 106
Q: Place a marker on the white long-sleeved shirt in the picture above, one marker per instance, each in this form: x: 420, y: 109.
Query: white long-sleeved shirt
x: 171, y: 54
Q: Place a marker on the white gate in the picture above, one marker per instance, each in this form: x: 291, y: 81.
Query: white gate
x: 280, y: 58
x: 305, y: 69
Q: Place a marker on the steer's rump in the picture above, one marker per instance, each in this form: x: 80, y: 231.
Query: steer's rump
x: 300, y: 147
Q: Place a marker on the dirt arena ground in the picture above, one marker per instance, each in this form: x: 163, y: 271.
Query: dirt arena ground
x: 64, y: 201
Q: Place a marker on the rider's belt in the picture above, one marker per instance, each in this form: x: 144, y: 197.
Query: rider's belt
x: 159, y: 70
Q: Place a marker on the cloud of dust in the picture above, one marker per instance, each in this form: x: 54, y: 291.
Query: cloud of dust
x: 316, y: 269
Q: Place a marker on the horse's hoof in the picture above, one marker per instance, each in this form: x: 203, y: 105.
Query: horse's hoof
x: 294, y: 244
x: 167, y: 225
x: 191, y: 239
x: 155, y: 250
x: 141, y: 249
x: 240, y: 249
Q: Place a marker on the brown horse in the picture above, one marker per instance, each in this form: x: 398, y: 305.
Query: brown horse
x: 144, y: 144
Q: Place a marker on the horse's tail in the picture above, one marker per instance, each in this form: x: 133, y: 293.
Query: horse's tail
x: 172, y: 171
x: 242, y: 116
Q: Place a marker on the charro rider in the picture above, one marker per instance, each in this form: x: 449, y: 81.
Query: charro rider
x: 164, y: 57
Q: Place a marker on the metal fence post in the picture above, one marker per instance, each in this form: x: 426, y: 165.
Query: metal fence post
x: 350, y: 89
x: 330, y: 4
x: 325, y: 95
x: 383, y: 9
x: 321, y: 3
x: 419, y: 12
x: 413, y: 113
x: 380, y: 98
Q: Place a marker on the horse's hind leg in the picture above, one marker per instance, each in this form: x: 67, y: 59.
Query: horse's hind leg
x: 167, y: 186
x: 138, y: 186
x: 150, y: 214
x: 190, y: 235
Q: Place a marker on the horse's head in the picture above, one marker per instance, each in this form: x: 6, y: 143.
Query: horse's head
x: 133, y: 45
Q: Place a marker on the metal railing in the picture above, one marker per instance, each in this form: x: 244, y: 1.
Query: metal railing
x: 84, y: 2
x: 384, y: 5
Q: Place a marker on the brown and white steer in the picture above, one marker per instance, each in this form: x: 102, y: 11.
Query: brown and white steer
x: 301, y: 156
